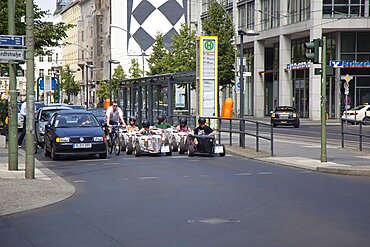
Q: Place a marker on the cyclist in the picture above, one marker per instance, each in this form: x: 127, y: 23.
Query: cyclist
x: 114, y: 116
x: 132, y: 125
x: 183, y: 125
x: 203, y: 129
x: 162, y: 124
x: 145, y: 130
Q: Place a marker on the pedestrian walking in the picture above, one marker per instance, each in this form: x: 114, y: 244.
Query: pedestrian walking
x: 23, y: 113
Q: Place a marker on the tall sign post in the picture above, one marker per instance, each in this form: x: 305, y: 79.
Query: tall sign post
x: 207, y: 76
x: 347, y: 78
x: 323, y: 102
x: 30, y: 89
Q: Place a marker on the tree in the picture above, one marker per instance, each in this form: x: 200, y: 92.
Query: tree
x: 134, y: 70
x: 47, y: 34
x: 218, y: 23
x: 74, y: 87
x: 157, y: 60
x: 182, y: 56
x: 103, y: 90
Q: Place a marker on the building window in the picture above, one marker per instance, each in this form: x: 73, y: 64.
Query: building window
x: 205, y: 4
x: 82, y: 35
x: 56, y: 57
x: 50, y: 59
x: 250, y: 15
x: 49, y: 71
x: 41, y: 73
x: 337, y: 9
x: 242, y: 17
x: 270, y: 13
x: 82, y: 55
x: 298, y: 10
x: 41, y: 59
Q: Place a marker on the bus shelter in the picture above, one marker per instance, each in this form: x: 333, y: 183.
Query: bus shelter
x: 150, y: 96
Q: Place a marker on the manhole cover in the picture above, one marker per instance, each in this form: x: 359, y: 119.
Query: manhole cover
x: 213, y: 221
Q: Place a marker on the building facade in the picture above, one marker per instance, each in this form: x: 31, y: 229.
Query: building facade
x: 281, y: 75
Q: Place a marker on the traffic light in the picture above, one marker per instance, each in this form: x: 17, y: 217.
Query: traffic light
x: 315, y: 52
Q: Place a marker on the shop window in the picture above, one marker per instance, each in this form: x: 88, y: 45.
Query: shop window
x: 363, y: 57
x: 361, y: 45
x: 347, y: 42
x: 348, y: 57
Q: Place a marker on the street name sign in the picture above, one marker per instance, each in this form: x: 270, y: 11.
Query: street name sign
x: 11, y: 54
x: 12, y: 40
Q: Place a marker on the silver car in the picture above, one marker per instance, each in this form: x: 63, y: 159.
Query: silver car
x: 42, y: 117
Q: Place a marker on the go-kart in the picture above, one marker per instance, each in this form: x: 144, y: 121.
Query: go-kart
x: 203, y: 144
x: 172, y: 135
x: 129, y: 141
x: 153, y: 143
x: 181, y: 140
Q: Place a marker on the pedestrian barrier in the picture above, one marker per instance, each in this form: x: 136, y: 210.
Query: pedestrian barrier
x: 361, y: 135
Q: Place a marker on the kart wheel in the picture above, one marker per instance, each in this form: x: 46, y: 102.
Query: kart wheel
x: 191, y: 151
x: 182, y: 148
x: 175, y: 147
x: 224, y: 152
x: 103, y: 156
x: 129, y: 148
x: 170, y: 152
x: 137, y: 151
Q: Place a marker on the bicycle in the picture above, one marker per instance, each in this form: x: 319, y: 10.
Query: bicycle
x: 114, y: 141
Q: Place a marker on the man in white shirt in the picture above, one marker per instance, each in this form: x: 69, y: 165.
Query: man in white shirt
x: 23, y: 113
x: 113, y: 116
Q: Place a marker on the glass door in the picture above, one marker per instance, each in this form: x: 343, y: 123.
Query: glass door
x: 300, y: 102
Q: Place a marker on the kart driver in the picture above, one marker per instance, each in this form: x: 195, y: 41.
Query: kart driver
x: 203, y: 129
x: 131, y: 127
x: 145, y: 129
x: 162, y: 124
x: 183, y: 125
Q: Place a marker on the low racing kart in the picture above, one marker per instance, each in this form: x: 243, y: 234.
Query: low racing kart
x: 129, y: 141
x: 181, y: 140
x: 203, y: 144
x: 154, y: 143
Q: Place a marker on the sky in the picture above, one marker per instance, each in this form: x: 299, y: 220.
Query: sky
x: 46, y: 4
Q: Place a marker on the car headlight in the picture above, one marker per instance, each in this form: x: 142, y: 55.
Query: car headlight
x: 62, y: 139
x: 98, y: 139
x: 294, y: 114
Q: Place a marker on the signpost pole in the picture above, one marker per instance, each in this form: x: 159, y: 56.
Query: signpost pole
x: 13, y: 119
x: 323, y: 102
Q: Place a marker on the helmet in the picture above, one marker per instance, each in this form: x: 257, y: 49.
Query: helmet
x: 145, y: 124
x: 160, y: 118
x: 201, y: 120
x: 132, y: 119
x: 183, y: 121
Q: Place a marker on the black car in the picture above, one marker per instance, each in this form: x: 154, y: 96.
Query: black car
x: 285, y: 115
x: 74, y: 132
x: 203, y: 144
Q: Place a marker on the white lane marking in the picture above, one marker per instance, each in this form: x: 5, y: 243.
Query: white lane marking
x: 131, y: 158
x: 265, y: 173
x: 305, y: 172
x: 244, y: 174
x: 178, y: 157
x: 146, y: 178
x: 79, y: 181
x: 113, y: 163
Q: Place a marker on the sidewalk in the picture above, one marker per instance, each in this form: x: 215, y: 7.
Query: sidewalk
x: 19, y: 194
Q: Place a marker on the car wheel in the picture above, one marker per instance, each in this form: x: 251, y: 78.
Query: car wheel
x: 103, y: 156
x: 182, y: 148
x: 137, y: 150
x: 53, y: 155
x: 224, y: 151
x: 366, y: 121
x: 46, y: 151
x: 296, y: 125
x: 129, y: 148
x: 191, y: 151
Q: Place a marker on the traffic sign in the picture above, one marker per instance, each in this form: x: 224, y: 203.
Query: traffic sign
x: 12, y: 40
x: 11, y: 54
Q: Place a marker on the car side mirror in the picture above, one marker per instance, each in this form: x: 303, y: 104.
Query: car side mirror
x: 47, y: 126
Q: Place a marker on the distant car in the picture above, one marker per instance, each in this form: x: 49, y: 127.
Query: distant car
x: 359, y: 113
x: 74, y: 132
x: 99, y: 113
x: 76, y: 107
x: 42, y: 117
x: 285, y: 115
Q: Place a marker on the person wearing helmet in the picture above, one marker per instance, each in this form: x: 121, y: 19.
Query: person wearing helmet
x: 162, y: 124
x: 183, y: 125
x: 132, y: 125
x: 145, y: 130
x: 202, y: 128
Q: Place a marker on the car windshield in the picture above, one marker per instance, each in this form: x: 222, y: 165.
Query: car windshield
x: 46, y: 114
x: 357, y: 108
x: 285, y: 109
x: 76, y: 120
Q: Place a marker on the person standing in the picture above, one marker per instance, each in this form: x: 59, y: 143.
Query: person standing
x: 23, y: 114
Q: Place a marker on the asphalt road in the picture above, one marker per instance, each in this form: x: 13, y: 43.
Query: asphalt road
x: 199, y: 201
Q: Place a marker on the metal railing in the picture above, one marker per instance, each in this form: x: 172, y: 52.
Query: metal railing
x: 360, y: 133
x: 233, y: 126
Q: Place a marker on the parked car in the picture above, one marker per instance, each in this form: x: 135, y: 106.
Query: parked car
x: 359, y: 113
x: 42, y: 117
x: 74, y: 132
x: 285, y: 115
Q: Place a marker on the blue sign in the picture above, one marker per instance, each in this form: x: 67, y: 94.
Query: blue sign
x: 12, y: 40
x: 53, y: 83
x: 238, y: 85
x: 346, y: 64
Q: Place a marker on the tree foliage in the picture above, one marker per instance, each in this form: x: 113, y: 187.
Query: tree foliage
x: 74, y: 87
x: 134, y: 70
x: 47, y: 34
x: 157, y: 60
x: 218, y: 23
x: 103, y: 90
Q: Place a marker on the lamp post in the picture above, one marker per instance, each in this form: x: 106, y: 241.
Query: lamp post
x: 241, y: 81
x: 110, y: 79
x: 142, y: 51
x: 87, y: 83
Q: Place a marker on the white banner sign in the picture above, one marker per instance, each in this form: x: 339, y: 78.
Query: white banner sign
x: 11, y: 54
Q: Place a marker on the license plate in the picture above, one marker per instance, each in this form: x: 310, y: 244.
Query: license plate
x: 219, y: 149
x: 165, y: 149
x: 82, y: 145
x: 283, y: 121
